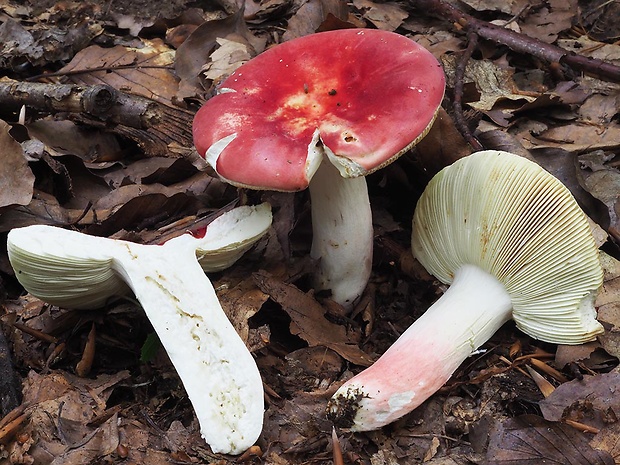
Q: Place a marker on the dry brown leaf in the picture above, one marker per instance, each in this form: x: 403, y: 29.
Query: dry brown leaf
x: 313, y: 15
x: 442, y: 146
x: 16, y: 178
x: 608, y: 305
x: 152, y: 170
x: 493, y: 84
x: 571, y: 354
x: 608, y: 439
x: 601, y: 19
x: 385, y: 15
x: 610, y: 292
x: 45, y: 39
x: 603, y: 182
x: 240, y: 301
x: 574, y: 137
x: 140, y: 207
x: 43, y: 209
x: 145, y: 71
x: 61, y: 407
x: 62, y: 137
x: 228, y: 56
x: 298, y: 423
x: 592, y: 400
x: 511, y: 7
x: 531, y: 440
x: 438, y: 42
x: 538, y: 23
x: 194, y: 53
x: 308, y: 319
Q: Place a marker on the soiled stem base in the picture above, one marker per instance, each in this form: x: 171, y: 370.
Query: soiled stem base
x: 424, y: 357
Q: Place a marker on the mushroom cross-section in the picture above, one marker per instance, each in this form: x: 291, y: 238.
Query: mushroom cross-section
x: 513, y: 243
x: 71, y: 269
x: 355, y: 99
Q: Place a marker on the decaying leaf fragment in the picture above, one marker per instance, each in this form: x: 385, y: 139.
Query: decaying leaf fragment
x: 16, y: 178
x: 531, y: 440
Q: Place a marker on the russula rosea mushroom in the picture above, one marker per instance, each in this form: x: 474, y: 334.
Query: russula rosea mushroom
x: 513, y: 243
x: 354, y: 98
x: 72, y: 269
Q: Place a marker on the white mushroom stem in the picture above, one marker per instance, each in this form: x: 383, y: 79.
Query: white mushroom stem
x: 425, y: 356
x: 217, y: 370
x: 342, y: 233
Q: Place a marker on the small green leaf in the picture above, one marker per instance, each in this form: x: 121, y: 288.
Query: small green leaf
x: 149, y: 348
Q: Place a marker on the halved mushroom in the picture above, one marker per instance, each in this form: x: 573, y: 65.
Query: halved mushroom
x: 513, y: 243
x: 324, y: 111
x: 71, y: 269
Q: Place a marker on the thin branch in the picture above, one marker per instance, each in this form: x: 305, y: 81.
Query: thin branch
x: 457, y: 106
x: 100, y: 101
x: 158, y: 129
x: 517, y: 42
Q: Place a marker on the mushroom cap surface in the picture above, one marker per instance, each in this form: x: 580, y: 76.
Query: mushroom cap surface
x: 513, y: 219
x: 363, y: 95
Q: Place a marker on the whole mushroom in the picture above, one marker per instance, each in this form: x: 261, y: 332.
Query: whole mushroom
x: 74, y: 270
x: 512, y: 242
x: 324, y: 111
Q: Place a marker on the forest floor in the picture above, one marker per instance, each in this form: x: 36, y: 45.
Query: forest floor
x: 539, y: 79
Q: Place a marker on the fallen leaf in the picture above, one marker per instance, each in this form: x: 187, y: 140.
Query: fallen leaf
x: 442, y: 146
x: 570, y: 354
x: 603, y: 181
x: 537, y: 23
x: 608, y: 439
x: 62, y: 137
x: 510, y: 7
x: 152, y: 170
x: 240, y: 301
x: 589, y: 401
x: 608, y: 305
x: 601, y: 19
x: 226, y: 58
x: 574, y: 137
x: 387, y: 16
x: 309, y: 422
x: 16, y: 178
x: 312, y: 15
x: 531, y: 440
x: 493, y: 83
x: 145, y: 71
x: 46, y: 39
x: 193, y: 54
x: 61, y: 407
x: 308, y: 319
x: 43, y: 209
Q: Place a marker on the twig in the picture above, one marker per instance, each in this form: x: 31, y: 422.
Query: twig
x: 157, y: 128
x: 519, y: 42
x: 100, y: 101
x: 459, y: 77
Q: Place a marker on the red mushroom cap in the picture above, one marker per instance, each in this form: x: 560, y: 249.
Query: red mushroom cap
x: 368, y: 94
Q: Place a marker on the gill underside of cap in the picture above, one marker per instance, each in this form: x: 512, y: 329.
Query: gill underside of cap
x: 513, y: 219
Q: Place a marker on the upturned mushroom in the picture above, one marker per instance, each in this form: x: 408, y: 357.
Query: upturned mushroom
x: 324, y: 111
x: 74, y: 270
x: 512, y: 242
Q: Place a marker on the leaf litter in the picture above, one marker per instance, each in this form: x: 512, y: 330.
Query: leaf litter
x: 145, y: 184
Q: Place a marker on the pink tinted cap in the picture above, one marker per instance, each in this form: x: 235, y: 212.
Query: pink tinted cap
x: 368, y: 94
